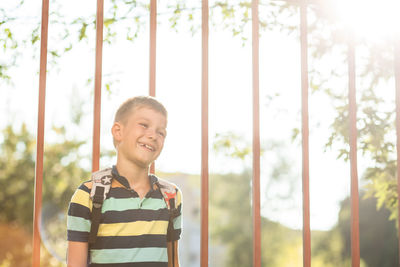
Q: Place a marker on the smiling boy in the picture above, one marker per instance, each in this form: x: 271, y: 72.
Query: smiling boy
x: 134, y: 228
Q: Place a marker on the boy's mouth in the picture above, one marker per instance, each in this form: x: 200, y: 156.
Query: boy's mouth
x: 147, y: 146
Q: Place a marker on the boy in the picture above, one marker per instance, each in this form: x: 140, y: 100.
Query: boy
x: 134, y: 216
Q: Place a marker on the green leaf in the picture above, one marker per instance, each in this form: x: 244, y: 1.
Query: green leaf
x: 108, y: 22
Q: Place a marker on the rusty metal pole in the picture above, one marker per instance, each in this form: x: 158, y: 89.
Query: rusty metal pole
x: 153, y: 36
x: 256, y: 138
x: 355, y: 231
x: 97, y: 86
x: 204, y: 139
x: 397, y: 84
x: 305, y: 136
x: 40, y: 136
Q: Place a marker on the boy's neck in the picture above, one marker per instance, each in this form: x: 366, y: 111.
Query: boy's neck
x: 135, y: 175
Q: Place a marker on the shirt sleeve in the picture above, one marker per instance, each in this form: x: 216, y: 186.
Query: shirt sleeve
x: 78, y: 219
x: 177, y: 221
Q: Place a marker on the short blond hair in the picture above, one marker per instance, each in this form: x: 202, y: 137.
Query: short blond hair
x: 130, y: 104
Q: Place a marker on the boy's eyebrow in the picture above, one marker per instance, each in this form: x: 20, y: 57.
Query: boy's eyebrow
x: 146, y: 119
x: 143, y: 118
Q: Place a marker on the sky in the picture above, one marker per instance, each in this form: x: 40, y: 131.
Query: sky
x: 178, y: 86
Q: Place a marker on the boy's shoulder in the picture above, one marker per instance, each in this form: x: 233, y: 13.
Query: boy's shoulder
x: 168, y: 186
x: 86, y: 185
x: 165, y: 183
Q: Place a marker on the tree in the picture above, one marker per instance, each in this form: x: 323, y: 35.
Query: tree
x: 62, y: 174
x: 231, y: 225
x: 375, y: 120
x: 378, y: 242
x: 230, y: 214
x: 231, y: 208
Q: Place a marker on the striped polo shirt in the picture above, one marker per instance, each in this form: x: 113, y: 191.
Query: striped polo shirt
x: 132, y: 231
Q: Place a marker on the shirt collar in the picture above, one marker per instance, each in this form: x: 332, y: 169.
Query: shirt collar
x: 122, y: 180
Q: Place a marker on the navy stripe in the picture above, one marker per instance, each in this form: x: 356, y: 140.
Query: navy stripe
x: 77, y: 236
x: 143, y: 241
x: 134, y: 215
x: 84, y: 187
x: 132, y: 264
x: 78, y: 210
x: 121, y: 192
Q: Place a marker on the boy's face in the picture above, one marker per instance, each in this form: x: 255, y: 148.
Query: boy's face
x: 141, y: 138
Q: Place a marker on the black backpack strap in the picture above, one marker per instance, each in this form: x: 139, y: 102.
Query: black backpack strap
x: 98, y: 200
x: 101, y: 184
x: 169, y: 193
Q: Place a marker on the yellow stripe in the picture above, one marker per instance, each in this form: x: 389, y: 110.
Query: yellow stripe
x: 81, y: 197
x: 133, y: 228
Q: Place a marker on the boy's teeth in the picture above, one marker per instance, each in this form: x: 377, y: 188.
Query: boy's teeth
x: 149, y: 147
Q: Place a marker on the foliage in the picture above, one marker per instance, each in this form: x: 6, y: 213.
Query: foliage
x: 230, y: 200
x: 326, y: 37
x: 230, y: 214
x: 61, y: 175
x: 376, y: 128
x: 376, y: 122
x: 15, y: 248
x: 378, y: 241
x: 375, y: 112
x: 122, y: 19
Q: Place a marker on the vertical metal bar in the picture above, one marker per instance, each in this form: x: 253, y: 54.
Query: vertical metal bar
x: 204, y: 138
x: 355, y: 232
x: 97, y: 85
x: 40, y: 136
x: 153, y: 30
x: 153, y: 36
x: 397, y: 83
x: 256, y: 138
x: 305, y: 136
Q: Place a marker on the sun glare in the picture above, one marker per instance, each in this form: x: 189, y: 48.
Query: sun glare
x: 374, y: 20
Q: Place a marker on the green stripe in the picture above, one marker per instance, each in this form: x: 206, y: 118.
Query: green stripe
x: 178, y: 222
x: 129, y: 255
x: 78, y: 224
x: 121, y: 204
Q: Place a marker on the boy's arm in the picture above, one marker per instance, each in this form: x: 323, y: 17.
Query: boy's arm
x: 176, y: 256
x: 177, y: 228
x: 77, y: 254
x: 78, y: 226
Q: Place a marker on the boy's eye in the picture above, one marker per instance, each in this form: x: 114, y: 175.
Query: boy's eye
x: 161, y: 134
x: 144, y: 125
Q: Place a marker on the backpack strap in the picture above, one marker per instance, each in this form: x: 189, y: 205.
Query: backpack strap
x: 101, y: 184
x: 168, y: 191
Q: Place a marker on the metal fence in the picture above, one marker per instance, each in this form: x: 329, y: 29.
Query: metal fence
x: 355, y: 246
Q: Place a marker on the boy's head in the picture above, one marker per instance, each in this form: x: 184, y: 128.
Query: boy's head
x: 139, y: 130
x: 128, y: 107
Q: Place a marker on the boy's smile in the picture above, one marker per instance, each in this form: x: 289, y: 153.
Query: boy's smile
x: 141, y: 138
x: 149, y: 147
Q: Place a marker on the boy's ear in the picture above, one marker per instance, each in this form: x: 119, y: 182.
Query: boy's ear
x: 116, y: 131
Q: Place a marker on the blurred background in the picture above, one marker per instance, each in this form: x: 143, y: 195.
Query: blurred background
x: 69, y: 120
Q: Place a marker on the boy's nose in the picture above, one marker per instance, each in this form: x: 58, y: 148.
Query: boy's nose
x: 151, y: 133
